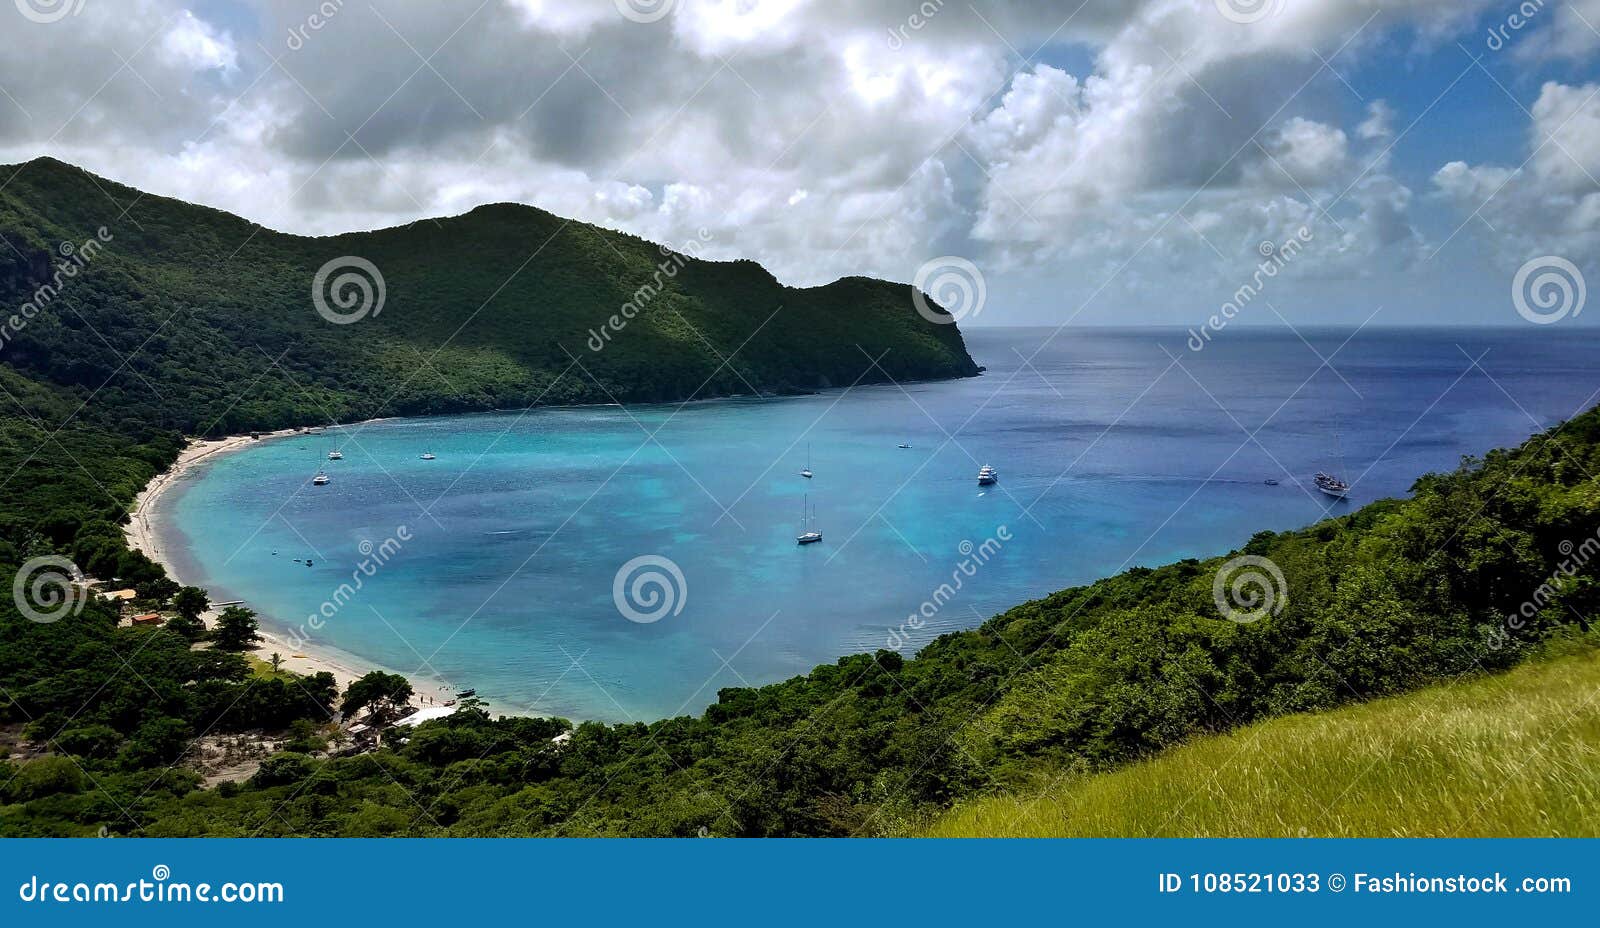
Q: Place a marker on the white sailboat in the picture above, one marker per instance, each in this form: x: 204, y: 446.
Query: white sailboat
x: 807, y: 472
x: 320, y: 480
x: 808, y: 535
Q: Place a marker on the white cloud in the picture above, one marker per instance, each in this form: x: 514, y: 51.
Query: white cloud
x: 1550, y: 203
x: 821, y: 137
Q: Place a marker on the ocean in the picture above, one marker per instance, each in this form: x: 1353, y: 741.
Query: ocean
x: 627, y: 563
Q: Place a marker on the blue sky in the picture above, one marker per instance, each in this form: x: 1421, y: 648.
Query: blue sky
x: 1122, y: 162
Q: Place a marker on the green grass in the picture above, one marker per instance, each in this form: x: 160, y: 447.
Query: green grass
x: 1517, y: 754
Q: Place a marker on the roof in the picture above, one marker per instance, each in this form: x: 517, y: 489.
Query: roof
x: 427, y: 715
x: 149, y: 617
x: 121, y: 594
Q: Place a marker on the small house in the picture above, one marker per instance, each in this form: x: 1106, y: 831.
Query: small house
x: 149, y: 618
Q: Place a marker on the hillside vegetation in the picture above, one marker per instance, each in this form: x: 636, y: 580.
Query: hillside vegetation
x: 1512, y: 755
x: 1397, y: 596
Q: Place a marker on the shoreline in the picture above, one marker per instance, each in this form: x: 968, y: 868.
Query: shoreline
x: 141, y: 534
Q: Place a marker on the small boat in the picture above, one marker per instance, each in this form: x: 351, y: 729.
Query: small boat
x: 808, y: 535
x: 987, y: 476
x: 904, y: 445
x: 1331, y: 485
x: 1271, y: 482
x: 465, y: 693
x: 427, y: 456
x: 320, y: 480
x: 336, y: 455
x: 807, y: 472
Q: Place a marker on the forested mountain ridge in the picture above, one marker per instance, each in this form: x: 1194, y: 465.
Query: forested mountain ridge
x: 481, y: 311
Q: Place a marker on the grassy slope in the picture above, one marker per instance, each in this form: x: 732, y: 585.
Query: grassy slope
x: 1511, y: 755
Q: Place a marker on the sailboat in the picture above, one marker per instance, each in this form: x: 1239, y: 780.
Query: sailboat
x: 321, y: 479
x: 428, y: 455
x: 1331, y: 484
x: 807, y: 472
x: 336, y: 455
x: 808, y: 535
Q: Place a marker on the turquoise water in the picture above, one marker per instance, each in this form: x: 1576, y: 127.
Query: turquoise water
x: 505, y: 549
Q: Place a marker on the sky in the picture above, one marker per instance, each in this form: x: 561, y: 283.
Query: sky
x: 1094, y: 162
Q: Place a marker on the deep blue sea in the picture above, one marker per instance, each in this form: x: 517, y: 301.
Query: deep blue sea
x: 1111, y: 453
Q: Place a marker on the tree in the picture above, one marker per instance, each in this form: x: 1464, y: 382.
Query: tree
x: 277, y: 662
x: 190, y: 601
x: 236, y: 629
x: 381, y: 694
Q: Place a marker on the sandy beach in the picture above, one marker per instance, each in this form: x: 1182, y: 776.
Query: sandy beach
x: 142, y: 535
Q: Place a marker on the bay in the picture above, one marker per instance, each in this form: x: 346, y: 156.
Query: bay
x: 1115, y: 448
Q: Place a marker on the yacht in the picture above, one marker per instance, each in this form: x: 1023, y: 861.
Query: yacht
x: 987, y: 475
x: 807, y: 472
x: 808, y: 535
x: 1331, y: 485
x: 904, y: 445
x: 335, y: 455
x: 320, y: 479
x: 427, y: 455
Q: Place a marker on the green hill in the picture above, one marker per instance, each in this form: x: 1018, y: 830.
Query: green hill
x: 1512, y: 755
x: 480, y: 311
